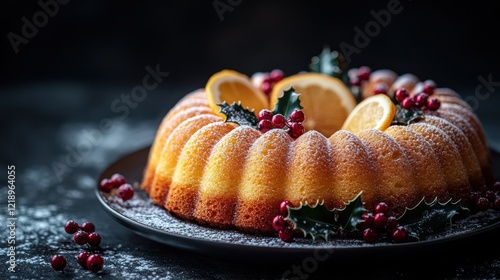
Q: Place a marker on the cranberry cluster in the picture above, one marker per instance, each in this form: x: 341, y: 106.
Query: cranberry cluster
x: 285, y: 232
x: 419, y: 100
x: 125, y: 190
x: 293, y: 125
x: 482, y: 201
x: 268, y: 79
x: 362, y: 75
x: 83, y: 234
x: 375, y: 225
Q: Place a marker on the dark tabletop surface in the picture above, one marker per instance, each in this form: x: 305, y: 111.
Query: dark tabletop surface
x: 68, y: 80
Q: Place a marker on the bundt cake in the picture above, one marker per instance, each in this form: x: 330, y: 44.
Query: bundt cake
x: 226, y: 175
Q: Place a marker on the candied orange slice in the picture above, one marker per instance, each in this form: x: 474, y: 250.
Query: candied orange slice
x: 326, y: 100
x: 374, y: 112
x: 231, y: 86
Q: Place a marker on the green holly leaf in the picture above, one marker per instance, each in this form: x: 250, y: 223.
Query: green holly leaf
x: 406, y: 116
x: 287, y: 103
x: 429, y: 218
x: 319, y: 221
x: 237, y: 114
x: 351, y: 215
x: 331, y: 63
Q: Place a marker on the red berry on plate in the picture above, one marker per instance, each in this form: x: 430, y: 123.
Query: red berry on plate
x: 71, y: 227
x: 364, y: 73
x: 82, y: 259
x: 429, y: 86
x: 284, y: 207
x: 88, y: 227
x: 433, y: 104
x: 408, y: 103
x: 370, y: 235
x: 81, y: 237
x: 421, y: 99
x: 381, y: 207
x: 380, y: 220
x: 58, y: 262
x: 265, y: 125
x: 118, y: 179
x: 286, y: 235
x: 296, y: 129
x: 483, y: 204
x: 106, y: 185
x: 279, y: 223
x: 94, y: 239
x: 266, y: 87
x: 95, y: 262
x: 380, y: 88
x: 126, y: 192
x: 400, y: 234
x: 392, y: 223
x: 355, y: 82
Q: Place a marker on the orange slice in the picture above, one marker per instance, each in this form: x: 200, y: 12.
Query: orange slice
x: 326, y: 100
x: 231, y: 86
x: 374, y: 112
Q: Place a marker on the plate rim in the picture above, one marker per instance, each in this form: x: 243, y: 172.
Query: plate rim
x: 294, y: 252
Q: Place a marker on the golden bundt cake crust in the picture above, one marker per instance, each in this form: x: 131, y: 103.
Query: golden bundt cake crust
x: 227, y: 176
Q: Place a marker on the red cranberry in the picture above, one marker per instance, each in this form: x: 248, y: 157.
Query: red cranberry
x: 400, y: 234
x: 266, y: 87
x: 408, y: 103
x: 381, y: 207
x: 82, y: 259
x: 296, y: 129
x: 355, y: 82
x: 88, y: 227
x: 286, y: 234
x: 428, y: 87
x: 364, y: 73
x: 58, y: 262
x: 380, y: 220
x: 284, y: 207
x: 126, y: 192
x: 421, y: 99
x: 368, y: 218
x: 276, y: 75
x: 95, y: 262
x: 483, y: 204
x: 496, y: 187
x: 380, y: 88
x: 496, y: 204
x: 297, y: 116
x: 490, y: 195
x: 94, y: 239
x: 401, y: 94
x: 71, y: 227
x: 118, y: 179
x: 392, y: 223
x: 265, y: 125
x: 81, y: 237
x: 433, y: 104
x: 106, y: 185
x: 278, y: 121
x: 265, y: 114
x: 370, y: 235
x: 279, y: 223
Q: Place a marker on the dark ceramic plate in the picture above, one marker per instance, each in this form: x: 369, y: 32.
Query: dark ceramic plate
x: 146, y: 219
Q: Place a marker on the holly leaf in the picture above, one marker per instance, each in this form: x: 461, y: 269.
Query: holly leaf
x: 331, y: 63
x: 287, y: 103
x: 428, y: 218
x: 316, y: 221
x: 319, y: 221
x: 406, y: 116
x: 352, y: 214
x: 235, y: 113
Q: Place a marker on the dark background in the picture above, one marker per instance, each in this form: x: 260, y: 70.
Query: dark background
x: 111, y: 42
